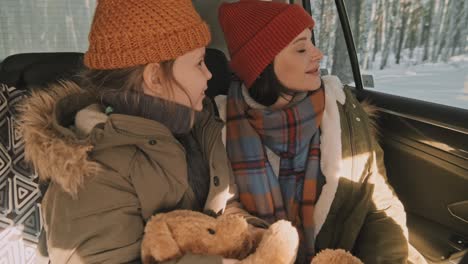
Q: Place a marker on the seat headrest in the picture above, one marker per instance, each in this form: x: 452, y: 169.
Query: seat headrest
x: 217, y: 63
x: 38, y: 69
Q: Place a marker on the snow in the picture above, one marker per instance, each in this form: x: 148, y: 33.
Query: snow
x: 442, y: 83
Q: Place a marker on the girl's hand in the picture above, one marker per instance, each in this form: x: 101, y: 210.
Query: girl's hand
x: 257, y: 234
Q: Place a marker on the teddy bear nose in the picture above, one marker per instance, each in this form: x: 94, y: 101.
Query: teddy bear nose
x: 211, y: 231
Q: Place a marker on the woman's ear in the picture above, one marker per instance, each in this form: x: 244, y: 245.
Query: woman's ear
x: 151, y: 79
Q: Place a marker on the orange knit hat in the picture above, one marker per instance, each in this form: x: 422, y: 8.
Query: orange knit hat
x: 127, y: 33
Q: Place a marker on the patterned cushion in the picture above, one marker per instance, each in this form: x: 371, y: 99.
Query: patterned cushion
x: 19, y: 189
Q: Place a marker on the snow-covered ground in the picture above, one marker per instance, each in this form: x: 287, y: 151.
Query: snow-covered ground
x: 443, y: 83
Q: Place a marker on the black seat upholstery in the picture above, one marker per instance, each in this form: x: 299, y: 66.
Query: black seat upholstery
x: 217, y: 63
x: 49, y: 70
x: 19, y: 73
x: 39, y: 69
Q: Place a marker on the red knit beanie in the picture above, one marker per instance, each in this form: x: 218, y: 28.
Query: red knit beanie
x: 256, y: 31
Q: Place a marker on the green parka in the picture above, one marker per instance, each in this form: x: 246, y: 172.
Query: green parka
x: 109, y: 174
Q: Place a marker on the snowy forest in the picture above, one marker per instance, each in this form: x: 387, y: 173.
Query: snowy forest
x: 408, y: 46
x: 392, y: 32
x: 402, y: 30
x: 44, y: 25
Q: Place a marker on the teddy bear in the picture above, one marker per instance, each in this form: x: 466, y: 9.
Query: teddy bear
x: 173, y: 234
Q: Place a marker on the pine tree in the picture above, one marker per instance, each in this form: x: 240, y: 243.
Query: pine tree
x: 341, y: 63
x: 456, y: 14
x: 405, y: 13
x: 427, y: 25
x: 371, y: 32
x: 440, y: 30
x: 381, y: 15
x: 413, y: 27
x: 389, y: 34
x: 464, y: 31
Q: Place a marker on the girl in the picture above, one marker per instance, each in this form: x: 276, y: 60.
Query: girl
x: 133, y: 139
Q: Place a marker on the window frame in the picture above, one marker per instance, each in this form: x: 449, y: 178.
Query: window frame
x: 348, y: 35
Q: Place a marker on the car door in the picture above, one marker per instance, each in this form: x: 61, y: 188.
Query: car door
x: 423, y: 108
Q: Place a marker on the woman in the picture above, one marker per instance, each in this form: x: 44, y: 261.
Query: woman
x: 137, y: 142
x: 301, y: 147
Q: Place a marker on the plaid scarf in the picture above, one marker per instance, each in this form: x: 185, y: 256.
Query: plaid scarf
x: 293, y: 134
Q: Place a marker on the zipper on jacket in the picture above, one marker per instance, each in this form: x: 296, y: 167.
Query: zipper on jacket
x: 209, y: 132
x: 206, y: 133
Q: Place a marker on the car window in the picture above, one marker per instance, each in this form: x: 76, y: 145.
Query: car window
x: 413, y: 48
x: 44, y: 25
x: 329, y: 38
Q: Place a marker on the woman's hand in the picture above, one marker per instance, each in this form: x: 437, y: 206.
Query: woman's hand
x: 257, y: 235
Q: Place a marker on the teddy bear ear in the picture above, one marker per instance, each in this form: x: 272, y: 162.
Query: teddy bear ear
x: 158, y: 243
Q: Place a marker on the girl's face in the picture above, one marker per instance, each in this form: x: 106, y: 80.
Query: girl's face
x: 297, y: 66
x: 190, y: 77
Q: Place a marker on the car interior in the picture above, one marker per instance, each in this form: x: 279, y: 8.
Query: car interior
x: 425, y: 145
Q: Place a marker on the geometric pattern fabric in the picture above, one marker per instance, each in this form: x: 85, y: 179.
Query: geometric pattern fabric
x: 20, y: 194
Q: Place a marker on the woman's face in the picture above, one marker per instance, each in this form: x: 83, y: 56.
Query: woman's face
x: 191, y: 76
x: 297, y: 66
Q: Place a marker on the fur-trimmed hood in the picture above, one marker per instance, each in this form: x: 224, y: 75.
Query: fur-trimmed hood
x: 59, y: 126
x: 52, y: 145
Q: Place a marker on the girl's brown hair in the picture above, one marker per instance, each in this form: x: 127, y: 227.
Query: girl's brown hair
x: 128, y: 82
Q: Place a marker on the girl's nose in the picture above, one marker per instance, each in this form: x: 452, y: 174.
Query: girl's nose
x: 208, y: 73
